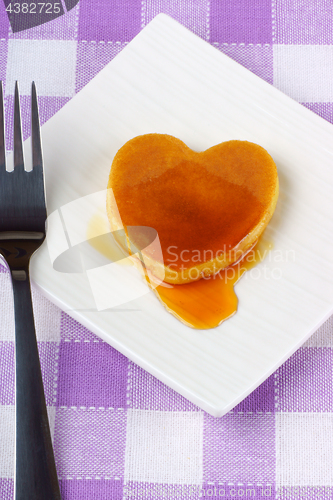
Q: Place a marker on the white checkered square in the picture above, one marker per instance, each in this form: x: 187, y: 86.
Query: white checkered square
x: 90, y: 442
x: 91, y: 59
x: 303, y: 22
x: 304, y: 444
x: 50, y: 63
x: 47, y: 316
x: 304, y: 72
x: 164, y: 447
x: 7, y: 441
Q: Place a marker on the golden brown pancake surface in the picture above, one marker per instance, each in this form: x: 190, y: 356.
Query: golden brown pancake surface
x: 208, y: 208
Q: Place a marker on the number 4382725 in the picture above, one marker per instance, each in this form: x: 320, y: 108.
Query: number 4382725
x: 34, y: 8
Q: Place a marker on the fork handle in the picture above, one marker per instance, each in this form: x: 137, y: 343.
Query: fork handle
x: 35, y: 471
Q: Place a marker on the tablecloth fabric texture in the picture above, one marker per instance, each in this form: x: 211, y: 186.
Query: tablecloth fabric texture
x: 118, y: 432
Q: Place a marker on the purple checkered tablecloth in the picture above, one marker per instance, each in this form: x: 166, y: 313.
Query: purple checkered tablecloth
x: 118, y: 432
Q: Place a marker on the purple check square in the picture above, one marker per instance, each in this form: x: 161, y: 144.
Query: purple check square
x: 161, y: 491
x: 241, y: 21
x: 323, y: 109
x: 304, y: 382
x: 49, y: 106
x: 239, y: 448
x: 61, y: 28
x: 3, y: 58
x: 103, y: 489
x: 3, y: 268
x: 7, y: 377
x: 233, y: 490
x: 91, y: 374
x: 148, y: 393
x: 261, y: 399
x: 258, y: 59
x: 4, y: 22
x: 109, y: 20
x: 6, y: 489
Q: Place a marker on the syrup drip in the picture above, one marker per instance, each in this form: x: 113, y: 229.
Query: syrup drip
x: 208, y: 302
x: 202, y: 304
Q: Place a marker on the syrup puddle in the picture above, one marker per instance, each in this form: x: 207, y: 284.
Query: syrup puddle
x: 202, y: 304
x: 206, y: 303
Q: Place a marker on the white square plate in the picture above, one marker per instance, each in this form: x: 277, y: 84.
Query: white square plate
x: 167, y: 80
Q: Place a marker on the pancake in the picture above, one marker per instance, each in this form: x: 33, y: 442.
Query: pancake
x: 208, y: 208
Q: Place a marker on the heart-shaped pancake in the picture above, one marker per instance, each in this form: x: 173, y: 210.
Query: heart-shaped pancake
x: 208, y: 208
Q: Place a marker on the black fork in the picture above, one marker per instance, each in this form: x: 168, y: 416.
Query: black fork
x: 22, y: 231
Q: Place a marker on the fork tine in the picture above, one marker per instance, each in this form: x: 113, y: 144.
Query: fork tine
x: 2, y: 132
x: 37, y: 158
x: 18, y: 146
